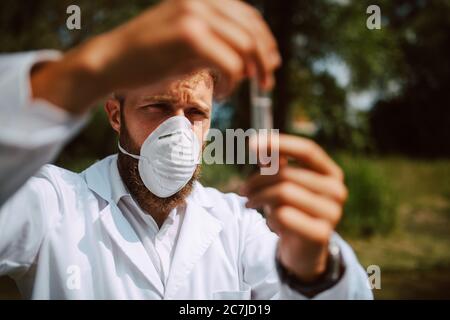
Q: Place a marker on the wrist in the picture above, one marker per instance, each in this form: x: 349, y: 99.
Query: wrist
x: 306, y: 270
x: 72, y: 83
x: 333, y: 272
x: 313, y: 274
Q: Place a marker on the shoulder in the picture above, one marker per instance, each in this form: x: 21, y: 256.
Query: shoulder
x: 41, y: 199
x: 59, y: 179
x: 53, y: 189
x: 46, y: 182
x: 51, y: 171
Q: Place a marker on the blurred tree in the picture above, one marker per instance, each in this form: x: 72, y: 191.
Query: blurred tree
x: 42, y: 24
x: 405, y: 63
x: 312, y: 32
x: 408, y: 54
x: 416, y: 120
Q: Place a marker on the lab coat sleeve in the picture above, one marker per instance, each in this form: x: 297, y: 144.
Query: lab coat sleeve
x: 32, y: 131
x: 259, y: 270
x: 25, y: 220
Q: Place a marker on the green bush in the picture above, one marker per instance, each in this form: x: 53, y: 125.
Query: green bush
x: 219, y: 175
x: 371, y: 205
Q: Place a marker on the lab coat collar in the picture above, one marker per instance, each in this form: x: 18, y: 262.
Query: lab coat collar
x: 99, y: 179
x: 118, y: 188
x: 198, y: 231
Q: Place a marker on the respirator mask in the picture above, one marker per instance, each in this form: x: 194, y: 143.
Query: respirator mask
x: 168, y: 157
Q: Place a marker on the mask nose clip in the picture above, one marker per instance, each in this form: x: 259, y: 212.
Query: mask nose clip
x: 176, y: 133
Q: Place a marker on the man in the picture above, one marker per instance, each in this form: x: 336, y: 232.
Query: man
x: 116, y: 232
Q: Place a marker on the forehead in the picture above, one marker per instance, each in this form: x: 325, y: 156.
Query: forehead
x: 197, y: 86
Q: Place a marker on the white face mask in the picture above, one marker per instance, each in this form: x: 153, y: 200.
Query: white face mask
x: 169, y: 157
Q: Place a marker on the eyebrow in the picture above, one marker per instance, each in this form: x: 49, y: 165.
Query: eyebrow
x: 170, y: 99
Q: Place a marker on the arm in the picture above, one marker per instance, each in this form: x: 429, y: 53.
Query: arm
x: 43, y: 104
x: 32, y: 131
x: 25, y: 219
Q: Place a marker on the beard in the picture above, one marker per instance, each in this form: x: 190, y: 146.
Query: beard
x: 156, y: 206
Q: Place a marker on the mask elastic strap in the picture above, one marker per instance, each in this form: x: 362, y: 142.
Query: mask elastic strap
x: 127, y: 153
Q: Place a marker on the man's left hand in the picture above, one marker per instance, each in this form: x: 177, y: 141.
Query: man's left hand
x: 303, y: 204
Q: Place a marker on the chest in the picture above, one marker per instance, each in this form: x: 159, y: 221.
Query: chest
x: 106, y: 259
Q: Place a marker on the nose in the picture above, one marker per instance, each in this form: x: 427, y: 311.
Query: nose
x: 179, y: 112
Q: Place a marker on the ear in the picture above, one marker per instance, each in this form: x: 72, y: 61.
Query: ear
x: 112, y: 108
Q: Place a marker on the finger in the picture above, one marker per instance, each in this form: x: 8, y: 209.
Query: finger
x: 287, y: 193
x: 312, y: 181
x: 303, y: 150
x: 217, y: 53
x: 272, y: 223
x: 302, y: 224
x: 232, y: 34
x: 249, y: 19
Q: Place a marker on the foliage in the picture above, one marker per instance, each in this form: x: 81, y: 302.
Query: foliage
x: 405, y: 61
x: 416, y: 121
x: 371, y: 206
x: 41, y: 24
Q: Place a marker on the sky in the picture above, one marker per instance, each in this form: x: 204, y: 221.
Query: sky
x: 361, y: 100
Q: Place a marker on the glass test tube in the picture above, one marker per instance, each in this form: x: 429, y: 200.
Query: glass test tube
x: 261, y: 107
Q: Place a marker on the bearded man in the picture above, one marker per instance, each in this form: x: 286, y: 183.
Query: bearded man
x: 138, y: 225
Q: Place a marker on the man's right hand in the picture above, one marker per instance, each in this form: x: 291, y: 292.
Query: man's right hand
x: 166, y: 41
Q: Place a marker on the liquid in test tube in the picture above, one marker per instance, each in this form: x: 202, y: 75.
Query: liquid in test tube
x: 261, y: 110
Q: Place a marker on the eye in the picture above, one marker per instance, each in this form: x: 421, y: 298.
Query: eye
x: 197, y: 111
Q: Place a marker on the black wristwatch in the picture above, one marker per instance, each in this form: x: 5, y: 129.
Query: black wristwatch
x: 333, y: 273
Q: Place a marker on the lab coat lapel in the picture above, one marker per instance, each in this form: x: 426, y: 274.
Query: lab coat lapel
x: 198, y: 232
x: 117, y: 226
x: 129, y: 243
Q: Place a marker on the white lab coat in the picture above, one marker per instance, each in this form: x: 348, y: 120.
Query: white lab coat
x: 62, y: 236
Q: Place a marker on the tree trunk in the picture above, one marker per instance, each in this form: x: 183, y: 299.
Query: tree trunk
x: 279, y: 15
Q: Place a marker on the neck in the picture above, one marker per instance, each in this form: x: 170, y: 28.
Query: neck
x: 155, y: 211
x: 158, y: 208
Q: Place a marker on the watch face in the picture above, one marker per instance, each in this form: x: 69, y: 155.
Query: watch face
x: 335, y: 262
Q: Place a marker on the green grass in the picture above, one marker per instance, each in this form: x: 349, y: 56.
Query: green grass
x: 415, y: 257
